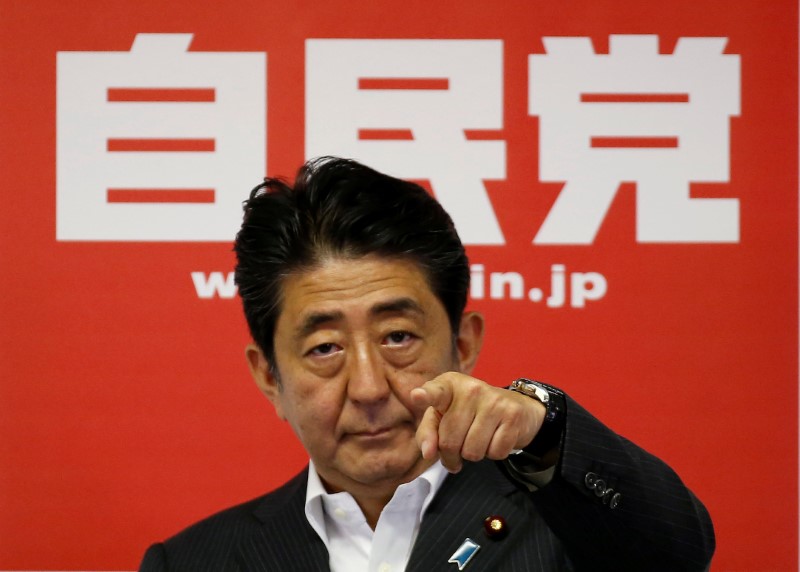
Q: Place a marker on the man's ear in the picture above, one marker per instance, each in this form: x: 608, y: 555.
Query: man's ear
x: 469, y: 341
x: 266, y: 381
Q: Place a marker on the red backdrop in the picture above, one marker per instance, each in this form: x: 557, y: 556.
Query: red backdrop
x: 126, y: 408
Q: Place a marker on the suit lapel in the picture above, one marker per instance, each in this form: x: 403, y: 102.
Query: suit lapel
x: 285, y: 541
x: 458, y: 512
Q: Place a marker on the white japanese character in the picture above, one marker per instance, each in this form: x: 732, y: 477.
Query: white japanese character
x: 402, y: 106
x: 159, y: 143
x: 636, y: 115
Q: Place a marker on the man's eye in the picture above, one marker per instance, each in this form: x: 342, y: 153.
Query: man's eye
x: 323, y: 349
x: 398, y: 338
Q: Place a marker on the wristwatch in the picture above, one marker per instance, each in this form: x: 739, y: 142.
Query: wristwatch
x: 549, y: 435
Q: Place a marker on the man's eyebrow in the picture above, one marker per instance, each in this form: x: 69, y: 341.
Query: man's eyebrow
x: 400, y: 305
x: 313, y: 321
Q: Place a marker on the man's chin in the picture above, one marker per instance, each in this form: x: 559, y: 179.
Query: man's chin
x: 372, y: 470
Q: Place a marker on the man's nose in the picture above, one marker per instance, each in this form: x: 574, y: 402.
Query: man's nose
x: 367, y: 381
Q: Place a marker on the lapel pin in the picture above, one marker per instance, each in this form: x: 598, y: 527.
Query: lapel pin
x: 464, y: 554
x: 495, y: 527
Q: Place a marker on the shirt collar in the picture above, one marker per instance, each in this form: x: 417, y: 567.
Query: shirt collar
x: 431, y: 479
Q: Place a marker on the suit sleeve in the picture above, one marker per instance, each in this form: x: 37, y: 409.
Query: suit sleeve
x: 616, y: 507
x: 154, y: 560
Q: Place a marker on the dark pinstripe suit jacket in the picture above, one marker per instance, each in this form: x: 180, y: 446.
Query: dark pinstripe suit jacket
x: 658, y: 524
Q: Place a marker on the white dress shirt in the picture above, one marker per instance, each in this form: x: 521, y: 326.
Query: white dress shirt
x: 352, y: 545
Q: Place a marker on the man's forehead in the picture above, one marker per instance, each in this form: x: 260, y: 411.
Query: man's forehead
x: 355, y: 276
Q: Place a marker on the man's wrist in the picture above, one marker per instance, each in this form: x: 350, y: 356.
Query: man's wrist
x: 547, y: 440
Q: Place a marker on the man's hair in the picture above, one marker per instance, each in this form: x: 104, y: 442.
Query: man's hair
x: 341, y: 208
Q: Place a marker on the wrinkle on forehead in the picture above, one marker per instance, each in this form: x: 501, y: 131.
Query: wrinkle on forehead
x: 336, y: 276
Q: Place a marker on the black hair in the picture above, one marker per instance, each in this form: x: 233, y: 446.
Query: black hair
x: 341, y: 208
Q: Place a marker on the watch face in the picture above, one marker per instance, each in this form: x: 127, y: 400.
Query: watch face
x: 551, y: 397
x: 531, y: 389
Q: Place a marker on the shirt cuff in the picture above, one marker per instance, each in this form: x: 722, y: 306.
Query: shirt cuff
x: 527, y: 470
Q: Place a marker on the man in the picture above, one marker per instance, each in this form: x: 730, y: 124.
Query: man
x: 354, y: 286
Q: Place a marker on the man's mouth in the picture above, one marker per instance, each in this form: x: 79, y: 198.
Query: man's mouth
x: 377, y: 432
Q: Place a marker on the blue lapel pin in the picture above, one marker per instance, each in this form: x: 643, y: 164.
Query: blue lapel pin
x: 464, y: 553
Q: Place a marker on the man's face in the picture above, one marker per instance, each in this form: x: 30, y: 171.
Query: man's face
x: 353, y: 338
